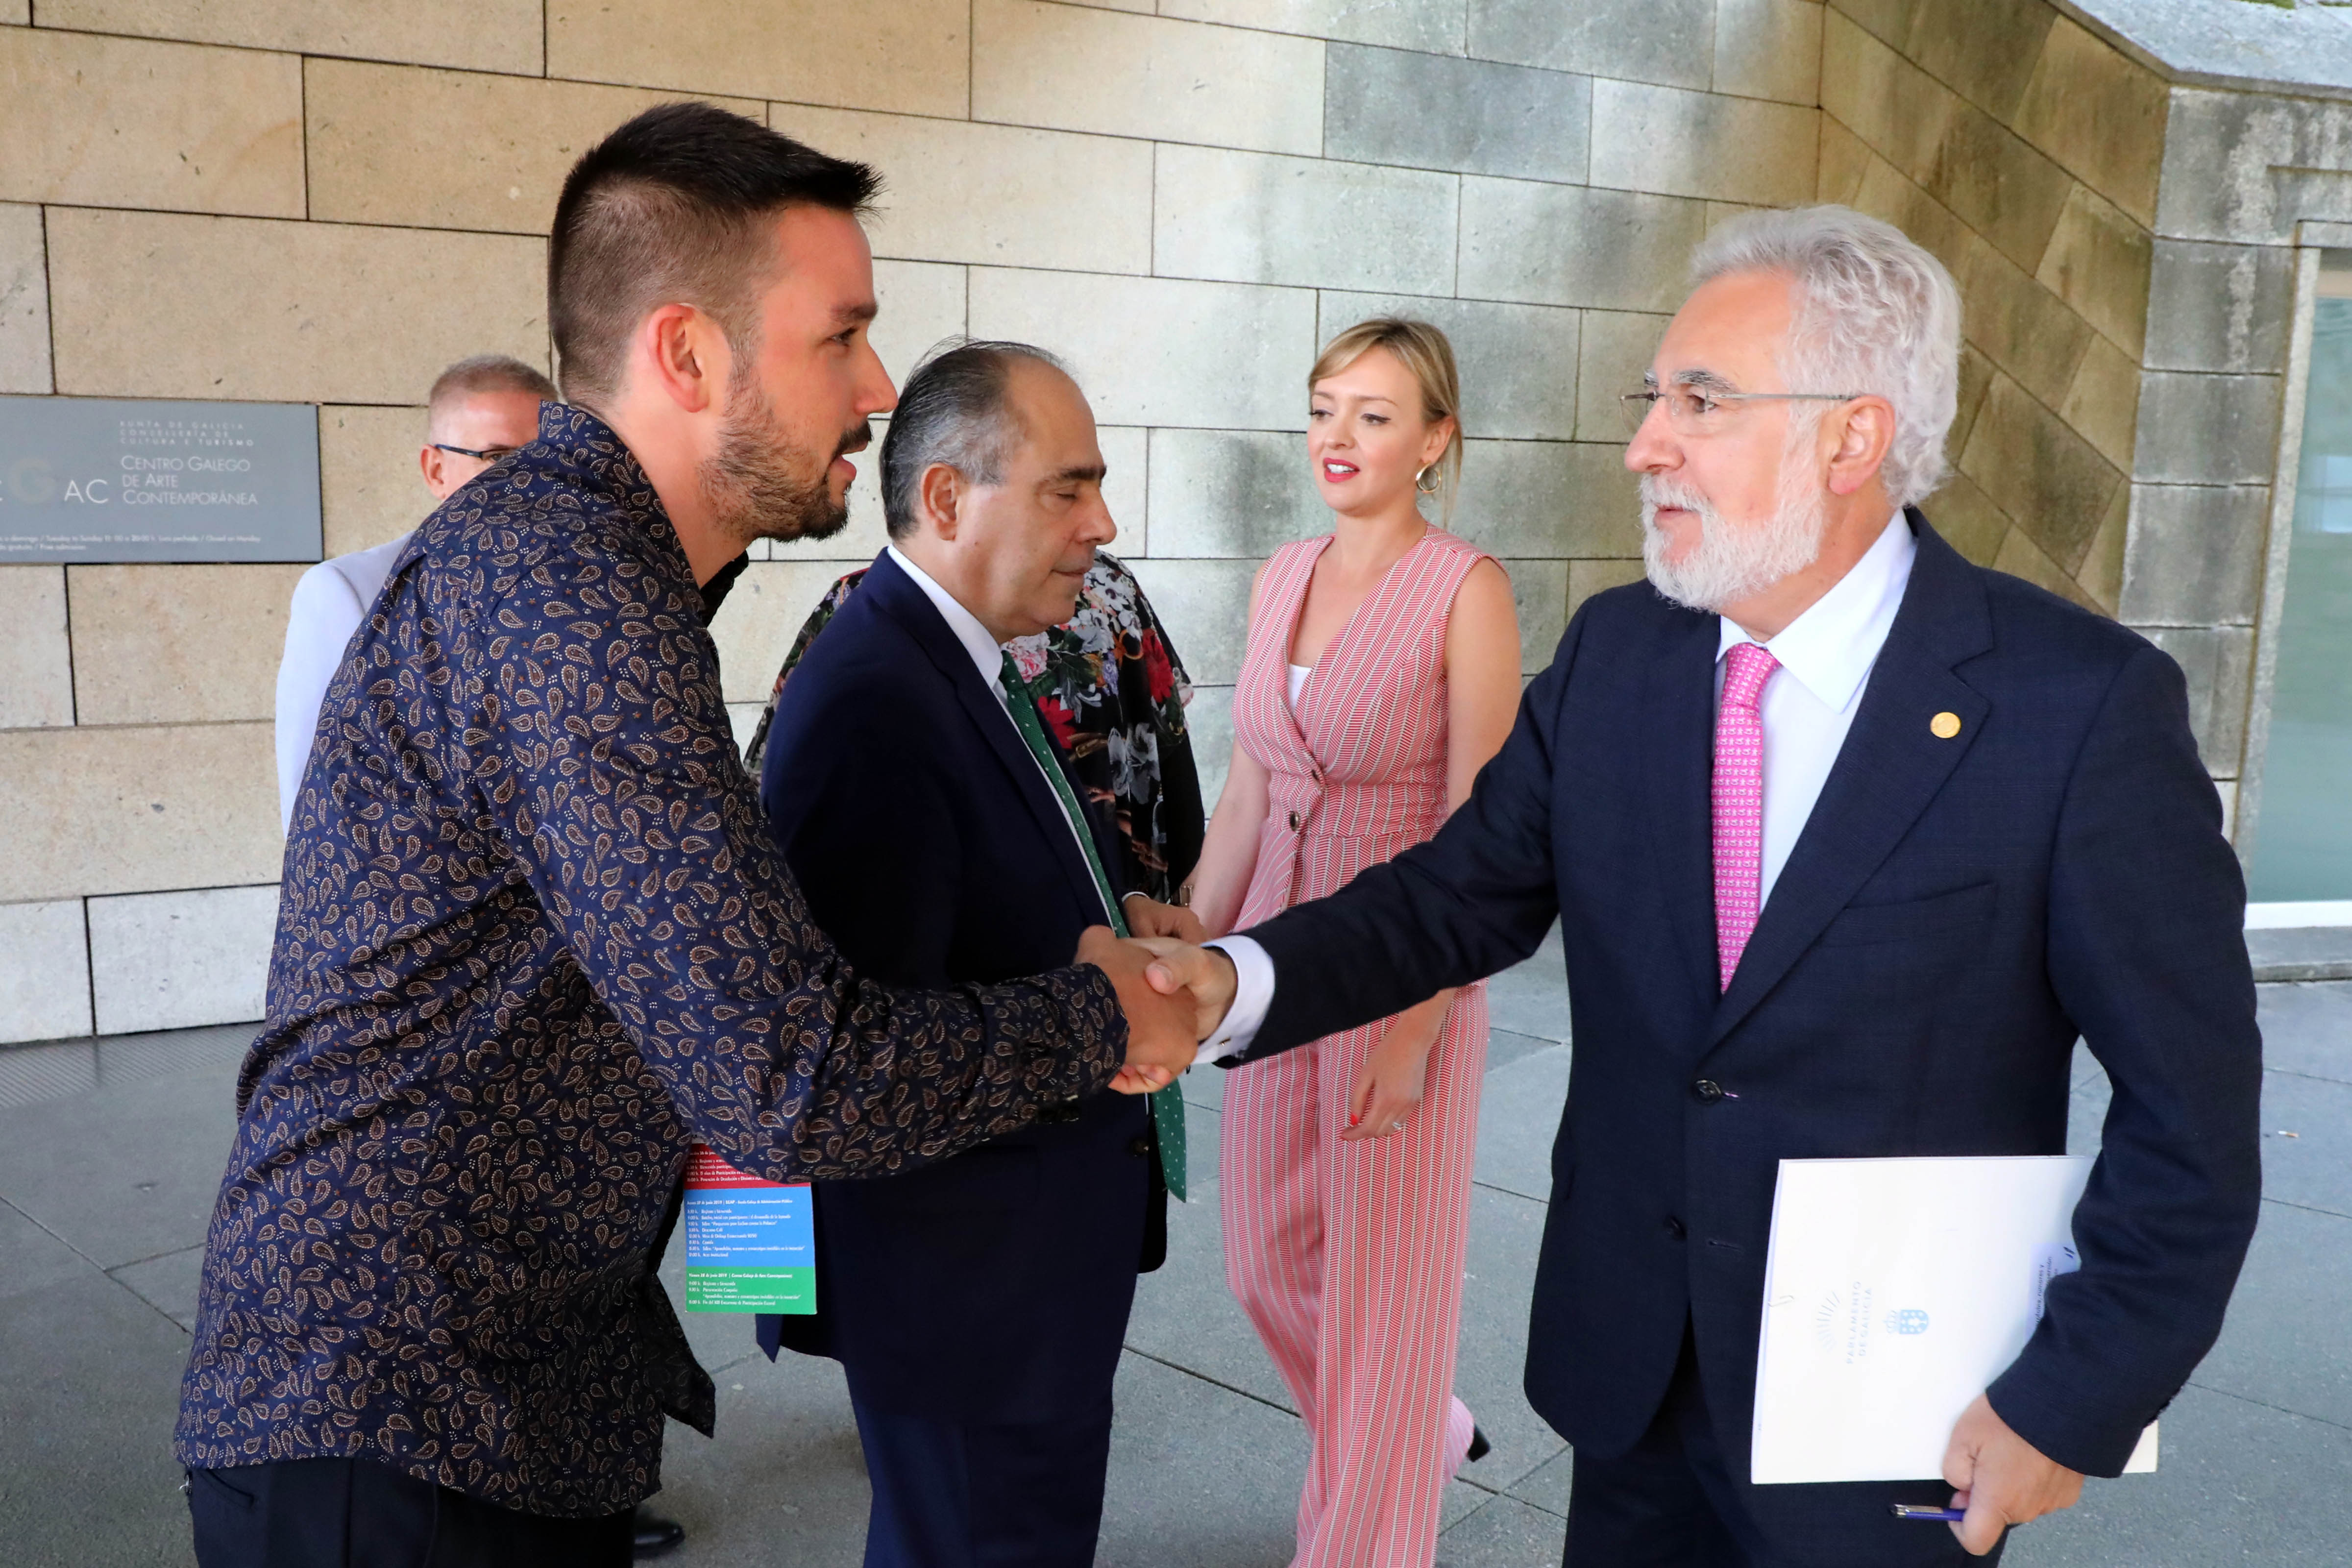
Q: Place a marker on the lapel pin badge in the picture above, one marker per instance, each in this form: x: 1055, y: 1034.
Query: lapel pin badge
x: 1944, y: 726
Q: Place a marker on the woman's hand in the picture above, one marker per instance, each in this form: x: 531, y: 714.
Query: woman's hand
x: 1147, y: 918
x: 1388, y: 1087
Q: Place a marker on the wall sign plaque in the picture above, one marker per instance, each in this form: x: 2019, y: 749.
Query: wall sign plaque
x: 88, y: 479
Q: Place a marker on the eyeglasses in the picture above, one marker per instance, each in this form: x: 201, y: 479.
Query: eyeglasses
x: 1699, y: 410
x: 488, y: 453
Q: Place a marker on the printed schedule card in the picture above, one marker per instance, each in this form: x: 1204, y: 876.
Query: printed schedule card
x: 750, y: 1245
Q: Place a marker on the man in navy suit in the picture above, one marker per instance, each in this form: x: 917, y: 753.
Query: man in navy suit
x: 976, y: 1305
x: 1849, y: 841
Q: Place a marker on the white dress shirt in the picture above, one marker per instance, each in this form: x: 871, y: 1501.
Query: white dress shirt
x: 1826, y: 654
x: 987, y: 657
x: 330, y: 602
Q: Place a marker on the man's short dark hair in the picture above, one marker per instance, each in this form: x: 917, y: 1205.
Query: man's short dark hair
x: 670, y: 209
x: 952, y: 410
x: 485, y: 373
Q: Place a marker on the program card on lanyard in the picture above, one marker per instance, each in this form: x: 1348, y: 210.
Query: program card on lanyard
x: 750, y: 1245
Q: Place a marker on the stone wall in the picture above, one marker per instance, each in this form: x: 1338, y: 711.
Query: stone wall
x: 2125, y: 332
x: 2247, y: 178
x: 325, y: 201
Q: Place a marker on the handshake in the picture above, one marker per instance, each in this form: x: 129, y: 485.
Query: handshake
x: 1173, y: 991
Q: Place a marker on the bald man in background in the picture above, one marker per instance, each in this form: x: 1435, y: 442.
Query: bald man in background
x: 479, y: 410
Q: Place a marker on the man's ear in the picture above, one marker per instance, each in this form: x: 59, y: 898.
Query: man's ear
x: 1863, y: 431
x: 681, y: 351
x: 428, y: 463
x: 940, y: 491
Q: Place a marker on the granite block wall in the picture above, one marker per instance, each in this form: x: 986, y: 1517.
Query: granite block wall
x: 1963, y: 126
x: 2125, y: 247
x: 324, y: 201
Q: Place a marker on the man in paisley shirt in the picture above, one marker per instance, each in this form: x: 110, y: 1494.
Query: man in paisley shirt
x: 534, y: 938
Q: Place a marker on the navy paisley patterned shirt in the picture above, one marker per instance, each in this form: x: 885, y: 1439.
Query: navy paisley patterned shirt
x: 533, y: 939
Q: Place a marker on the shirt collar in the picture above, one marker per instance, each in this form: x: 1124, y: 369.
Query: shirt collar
x: 987, y: 654
x: 580, y: 449
x: 1831, y: 648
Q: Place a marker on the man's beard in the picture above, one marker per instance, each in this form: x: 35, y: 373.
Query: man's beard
x: 754, y: 483
x: 1729, y: 563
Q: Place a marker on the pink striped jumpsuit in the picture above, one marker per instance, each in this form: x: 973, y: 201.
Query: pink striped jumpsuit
x: 1349, y: 1256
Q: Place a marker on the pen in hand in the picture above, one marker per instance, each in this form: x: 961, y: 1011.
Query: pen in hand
x: 1938, y: 1515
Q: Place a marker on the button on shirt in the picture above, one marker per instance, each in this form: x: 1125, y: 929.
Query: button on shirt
x: 1825, y: 656
x: 535, y: 938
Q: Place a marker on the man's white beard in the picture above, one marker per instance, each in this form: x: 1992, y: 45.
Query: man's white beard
x: 1731, y: 562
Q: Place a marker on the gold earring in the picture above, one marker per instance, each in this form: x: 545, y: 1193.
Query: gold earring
x: 1426, y: 489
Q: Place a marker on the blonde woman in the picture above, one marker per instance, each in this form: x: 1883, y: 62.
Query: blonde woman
x: 1382, y: 672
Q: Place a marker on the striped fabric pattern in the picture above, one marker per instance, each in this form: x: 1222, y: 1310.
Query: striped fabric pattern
x: 1349, y: 1256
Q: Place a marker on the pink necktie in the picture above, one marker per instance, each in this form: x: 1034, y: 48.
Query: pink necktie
x: 1739, y: 804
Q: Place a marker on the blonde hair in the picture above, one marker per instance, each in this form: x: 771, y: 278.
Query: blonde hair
x: 1426, y: 354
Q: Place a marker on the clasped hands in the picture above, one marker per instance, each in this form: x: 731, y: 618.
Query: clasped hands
x: 1173, y: 991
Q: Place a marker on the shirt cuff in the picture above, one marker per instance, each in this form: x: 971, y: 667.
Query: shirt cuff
x: 1252, y: 994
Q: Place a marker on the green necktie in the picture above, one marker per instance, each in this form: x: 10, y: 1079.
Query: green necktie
x: 1168, y: 1104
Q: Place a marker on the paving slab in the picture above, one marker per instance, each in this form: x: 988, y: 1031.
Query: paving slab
x: 2307, y: 1142
x: 31, y: 1259
x: 2086, y: 1112
x: 1204, y: 1086
x: 1201, y: 1477
x: 2287, y: 1342
x: 2308, y: 1029
x: 784, y: 1482
x: 1547, y: 1486
x: 1203, y: 1132
x: 1185, y: 1317
x: 169, y: 1283
x: 87, y: 1406
x: 1531, y: 998
x: 1498, y: 1283
x: 2236, y: 1483
x: 126, y: 1174
x: 1519, y: 1119
x: 1506, y: 1533
x: 1507, y: 1049
x: 57, y: 1069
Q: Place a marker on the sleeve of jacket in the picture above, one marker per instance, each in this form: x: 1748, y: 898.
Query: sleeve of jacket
x: 1475, y: 898
x: 600, y: 743
x: 2148, y: 956
x: 857, y: 799
x: 320, y: 622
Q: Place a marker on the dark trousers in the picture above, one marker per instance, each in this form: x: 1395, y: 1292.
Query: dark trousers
x: 1671, y: 1501
x: 951, y: 1495
x: 358, y: 1513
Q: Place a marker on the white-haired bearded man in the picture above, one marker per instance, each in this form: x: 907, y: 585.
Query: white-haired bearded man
x: 1849, y: 841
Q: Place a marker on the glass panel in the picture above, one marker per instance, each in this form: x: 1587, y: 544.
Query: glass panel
x: 2303, y: 846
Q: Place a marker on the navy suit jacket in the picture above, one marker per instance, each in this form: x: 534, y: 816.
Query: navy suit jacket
x: 1953, y: 914
x: 992, y: 1287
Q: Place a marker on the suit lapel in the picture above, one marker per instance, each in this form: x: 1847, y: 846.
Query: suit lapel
x: 906, y: 605
x: 1678, y: 728
x: 1890, y: 767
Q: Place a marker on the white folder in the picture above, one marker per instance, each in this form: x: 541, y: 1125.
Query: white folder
x: 1896, y: 1290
